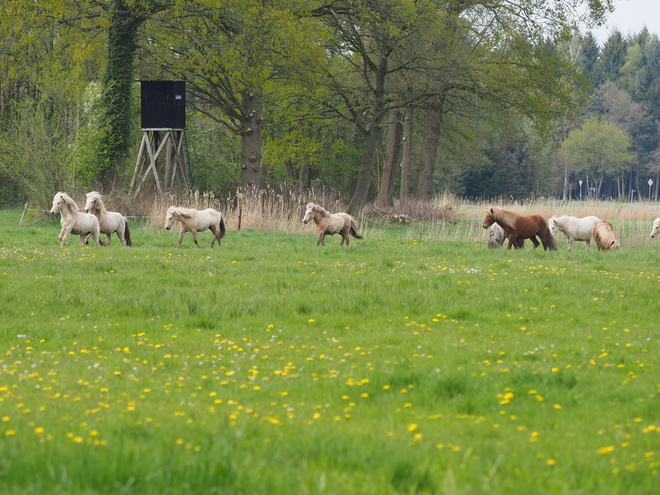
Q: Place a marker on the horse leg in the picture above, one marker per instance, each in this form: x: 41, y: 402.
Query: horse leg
x: 512, y: 241
x: 344, y: 237
x: 194, y: 234
x: 321, y: 239
x: 108, y: 240
x: 536, y: 242
x: 216, y: 235
x: 570, y: 244
x: 587, y: 243
x: 83, y: 239
x: 64, y: 234
x: 181, y: 236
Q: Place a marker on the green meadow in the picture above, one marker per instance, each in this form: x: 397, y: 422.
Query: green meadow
x: 396, y: 365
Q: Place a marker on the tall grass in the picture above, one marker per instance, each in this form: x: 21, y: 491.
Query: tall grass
x: 268, y: 365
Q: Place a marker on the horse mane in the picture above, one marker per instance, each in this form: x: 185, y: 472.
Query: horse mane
x: 69, y: 202
x: 506, y: 217
x: 94, y: 194
x: 320, y: 209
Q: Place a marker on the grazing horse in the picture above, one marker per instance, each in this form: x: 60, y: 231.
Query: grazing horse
x: 574, y: 228
x: 656, y: 228
x: 604, y: 236
x: 496, y: 236
x: 194, y: 221
x: 109, y: 221
x: 331, y: 223
x: 74, y: 221
x: 518, y: 227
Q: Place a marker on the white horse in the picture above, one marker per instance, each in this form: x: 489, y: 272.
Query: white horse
x: 331, y: 223
x: 604, y: 236
x: 109, y: 221
x: 74, y: 221
x: 194, y: 221
x: 496, y: 236
x: 574, y: 228
x: 656, y: 228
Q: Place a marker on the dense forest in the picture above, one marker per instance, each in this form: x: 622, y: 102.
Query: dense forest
x: 379, y: 101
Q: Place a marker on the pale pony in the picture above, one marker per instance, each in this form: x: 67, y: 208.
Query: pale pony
x: 496, y: 236
x: 656, y: 228
x: 109, y: 221
x: 331, y: 223
x: 194, y: 221
x: 604, y: 236
x: 574, y: 228
x: 74, y: 221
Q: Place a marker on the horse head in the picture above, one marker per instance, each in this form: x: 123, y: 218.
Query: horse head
x: 93, y: 202
x: 309, y: 212
x: 170, y: 217
x: 552, y: 225
x: 57, y: 203
x: 490, y: 218
x: 656, y: 227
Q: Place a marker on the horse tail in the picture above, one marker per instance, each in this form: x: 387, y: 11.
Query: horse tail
x: 223, y: 230
x: 127, y: 233
x: 354, y: 231
x: 550, y: 240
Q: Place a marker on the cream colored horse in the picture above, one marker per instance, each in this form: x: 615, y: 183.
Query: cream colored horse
x: 656, y: 228
x: 194, y: 221
x: 109, y: 221
x: 574, y: 228
x: 74, y: 221
x: 331, y: 223
x: 604, y: 236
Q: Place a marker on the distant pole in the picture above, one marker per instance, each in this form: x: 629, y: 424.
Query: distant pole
x: 240, y: 215
x: 650, y: 184
x: 632, y: 193
x: 25, y: 208
x: 580, y: 181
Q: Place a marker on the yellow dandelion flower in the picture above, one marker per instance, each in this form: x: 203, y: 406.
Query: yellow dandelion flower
x: 606, y: 450
x: 412, y: 427
x: 10, y: 433
x: 179, y: 441
x: 551, y: 462
x: 417, y: 437
x: 39, y: 430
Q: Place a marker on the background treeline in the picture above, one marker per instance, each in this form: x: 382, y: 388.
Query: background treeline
x: 376, y: 101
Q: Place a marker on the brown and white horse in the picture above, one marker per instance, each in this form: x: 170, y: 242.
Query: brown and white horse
x: 518, y: 227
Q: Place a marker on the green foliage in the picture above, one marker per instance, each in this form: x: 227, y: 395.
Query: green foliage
x: 599, y: 148
x: 271, y: 366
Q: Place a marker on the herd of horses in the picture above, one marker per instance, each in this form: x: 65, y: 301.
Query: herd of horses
x: 504, y: 225
x: 509, y: 225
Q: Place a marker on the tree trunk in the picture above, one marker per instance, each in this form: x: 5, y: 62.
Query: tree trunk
x: 429, y: 153
x: 389, y: 164
x: 117, y: 85
x: 251, y: 155
x: 406, y: 154
x: 359, y: 198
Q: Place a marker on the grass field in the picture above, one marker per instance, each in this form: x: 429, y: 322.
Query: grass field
x: 400, y: 364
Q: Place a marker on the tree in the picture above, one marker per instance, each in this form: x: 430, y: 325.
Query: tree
x: 599, y: 148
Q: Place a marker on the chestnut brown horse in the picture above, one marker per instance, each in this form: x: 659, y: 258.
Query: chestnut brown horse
x: 517, y: 227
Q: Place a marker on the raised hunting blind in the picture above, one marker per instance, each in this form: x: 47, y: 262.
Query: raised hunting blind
x: 163, y: 112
